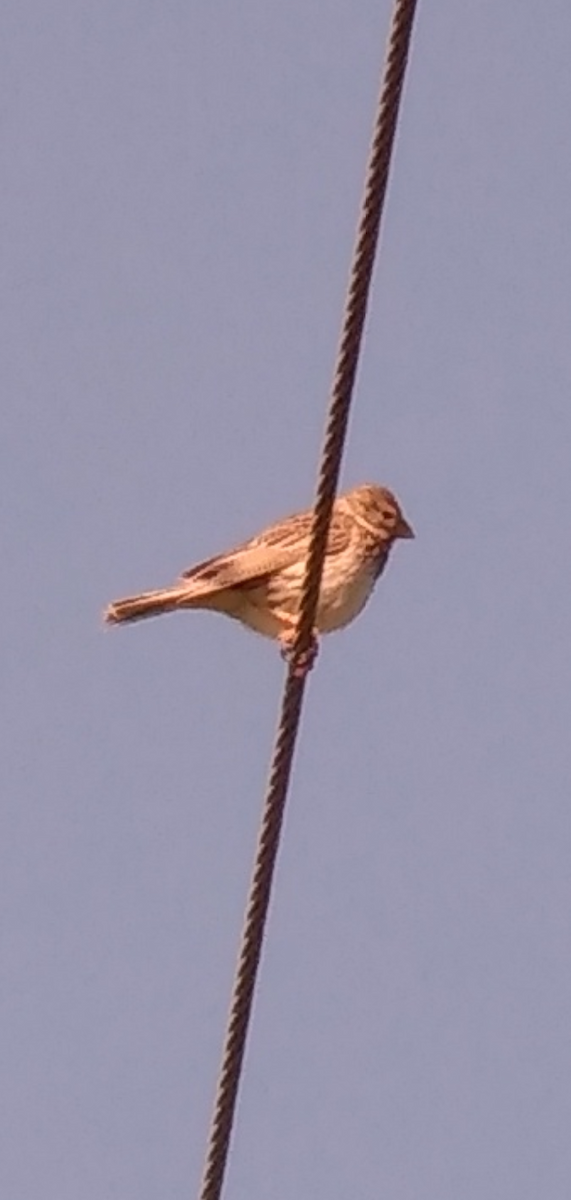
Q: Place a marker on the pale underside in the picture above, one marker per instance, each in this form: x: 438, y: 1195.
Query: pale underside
x: 271, y: 605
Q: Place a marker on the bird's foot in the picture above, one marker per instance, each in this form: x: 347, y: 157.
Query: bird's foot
x: 301, y: 663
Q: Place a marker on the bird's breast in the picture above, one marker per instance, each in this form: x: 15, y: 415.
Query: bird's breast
x: 344, y: 594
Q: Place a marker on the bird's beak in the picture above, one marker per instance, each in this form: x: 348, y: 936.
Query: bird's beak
x: 404, y: 530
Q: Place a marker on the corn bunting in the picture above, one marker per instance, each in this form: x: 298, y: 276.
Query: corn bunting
x: 259, y: 582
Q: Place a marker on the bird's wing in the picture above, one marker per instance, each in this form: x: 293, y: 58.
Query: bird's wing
x: 277, y: 547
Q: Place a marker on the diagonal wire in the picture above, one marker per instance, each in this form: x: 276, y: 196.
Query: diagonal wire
x: 280, y: 771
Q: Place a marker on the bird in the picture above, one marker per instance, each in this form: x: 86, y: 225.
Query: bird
x: 259, y: 582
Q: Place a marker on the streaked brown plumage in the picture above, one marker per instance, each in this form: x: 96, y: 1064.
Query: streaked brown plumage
x: 259, y: 582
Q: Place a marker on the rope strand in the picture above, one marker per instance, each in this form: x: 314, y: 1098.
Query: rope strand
x: 290, y: 713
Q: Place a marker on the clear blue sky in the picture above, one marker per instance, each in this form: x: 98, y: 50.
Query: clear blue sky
x: 180, y: 190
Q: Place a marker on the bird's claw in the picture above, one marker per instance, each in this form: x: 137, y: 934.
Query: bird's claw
x: 301, y: 663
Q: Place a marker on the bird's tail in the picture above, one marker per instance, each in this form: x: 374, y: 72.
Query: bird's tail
x: 147, y: 604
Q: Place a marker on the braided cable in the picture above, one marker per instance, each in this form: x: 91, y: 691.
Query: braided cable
x: 284, y: 748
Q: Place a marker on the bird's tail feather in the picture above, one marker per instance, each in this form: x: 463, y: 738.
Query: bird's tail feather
x: 147, y: 604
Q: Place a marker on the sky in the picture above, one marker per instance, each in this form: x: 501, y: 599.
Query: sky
x: 181, y: 185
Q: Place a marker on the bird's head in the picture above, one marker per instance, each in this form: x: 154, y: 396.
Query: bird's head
x: 377, y: 509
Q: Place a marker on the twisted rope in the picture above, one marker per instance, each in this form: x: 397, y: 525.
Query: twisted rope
x: 336, y: 429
